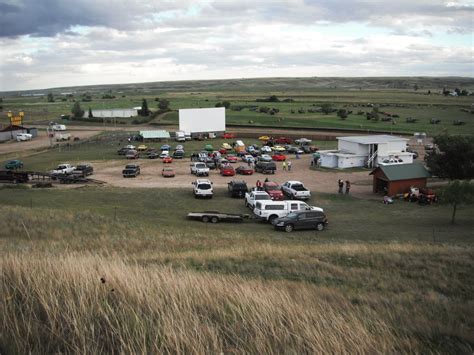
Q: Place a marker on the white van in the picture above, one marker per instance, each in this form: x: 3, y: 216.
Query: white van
x: 187, y: 136
x: 270, y: 210
x: 180, y: 136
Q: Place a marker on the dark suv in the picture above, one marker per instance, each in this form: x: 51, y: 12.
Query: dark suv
x: 237, y: 188
x: 83, y: 170
x: 265, y: 167
x: 302, y: 220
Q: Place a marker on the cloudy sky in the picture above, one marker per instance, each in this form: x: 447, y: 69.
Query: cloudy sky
x: 51, y: 43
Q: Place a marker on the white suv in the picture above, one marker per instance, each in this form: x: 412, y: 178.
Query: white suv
x: 203, y: 188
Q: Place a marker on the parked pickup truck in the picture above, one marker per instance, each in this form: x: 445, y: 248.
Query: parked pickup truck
x: 253, y: 196
x: 83, y: 170
x: 215, y: 216
x: 295, y: 190
x: 199, y: 169
x: 271, y: 210
x: 131, y: 170
x: 63, y: 169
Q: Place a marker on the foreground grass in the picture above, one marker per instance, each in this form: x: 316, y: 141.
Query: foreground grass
x: 191, y: 290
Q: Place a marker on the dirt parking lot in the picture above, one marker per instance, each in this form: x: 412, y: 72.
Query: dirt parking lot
x: 316, y: 181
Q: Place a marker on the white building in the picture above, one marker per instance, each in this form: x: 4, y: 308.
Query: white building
x: 202, y: 120
x: 367, y: 151
x: 115, y: 112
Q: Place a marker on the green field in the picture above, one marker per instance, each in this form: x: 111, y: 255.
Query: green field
x: 395, y: 96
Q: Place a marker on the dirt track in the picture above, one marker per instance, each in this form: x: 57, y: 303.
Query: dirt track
x: 316, y: 181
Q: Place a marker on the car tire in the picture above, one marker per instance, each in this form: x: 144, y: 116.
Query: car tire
x: 320, y: 226
x: 214, y: 219
x: 289, y: 228
x: 272, y: 218
x: 205, y: 219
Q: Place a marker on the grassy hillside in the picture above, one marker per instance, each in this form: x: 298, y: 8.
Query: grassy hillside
x: 87, y: 282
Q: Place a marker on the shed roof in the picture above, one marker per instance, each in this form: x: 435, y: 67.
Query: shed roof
x: 373, y: 139
x: 403, y: 171
x: 161, y: 134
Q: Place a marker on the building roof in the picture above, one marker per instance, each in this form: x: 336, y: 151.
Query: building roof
x: 155, y: 134
x: 373, y: 139
x: 13, y: 128
x: 403, y: 171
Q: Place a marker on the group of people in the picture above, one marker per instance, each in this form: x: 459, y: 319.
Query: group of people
x: 344, y: 186
x: 259, y: 184
x: 286, y: 165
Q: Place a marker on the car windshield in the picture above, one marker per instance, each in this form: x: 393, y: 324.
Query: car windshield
x: 200, y: 166
x: 130, y: 167
x: 204, y: 186
x: 262, y: 197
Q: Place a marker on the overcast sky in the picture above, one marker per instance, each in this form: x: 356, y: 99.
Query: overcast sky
x: 51, y: 43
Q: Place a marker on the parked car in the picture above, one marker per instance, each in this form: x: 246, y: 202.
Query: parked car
x: 165, y: 147
x: 244, y: 170
x: 228, y: 136
x: 203, y: 188
x: 295, y: 190
x: 178, y: 154
x: 130, y: 147
x: 232, y: 158
x: 269, y: 210
x: 132, y: 154
x: 264, y: 138
x: 278, y: 148
x: 303, y: 141
x: 301, y: 220
x: 142, y: 148
x: 227, y: 170
x: 153, y: 155
x: 164, y: 154
x: 283, y: 140
x: 265, y: 167
x: 274, y: 190
x: 13, y: 164
x: 279, y: 157
x: 199, y: 169
x: 294, y: 150
x: 265, y: 157
x: 123, y: 151
x: 167, y: 160
x: 167, y: 172
x: 248, y: 158
x: 237, y: 188
x: 226, y: 146
x: 179, y: 147
x: 265, y: 149
x: 253, y: 196
x: 22, y: 137
x: 131, y: 170
x: 83, y: 170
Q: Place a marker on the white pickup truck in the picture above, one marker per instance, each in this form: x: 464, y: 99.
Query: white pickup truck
x: 271, y: 210
x: 253, y: 196
x: 199, y: 169
x: 63, y: 169
x: 295, y: 190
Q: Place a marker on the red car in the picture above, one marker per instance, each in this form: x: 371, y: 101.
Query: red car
x: 228, y: 136
x: 278, y: 157
x: 167, y: 172
x: 167, y: 160
x: 223, y: 151
x: 232, y: 158
x: 227, y: 170
x: 273, y: 189
x: 283, y: 140
x: 244, y: 170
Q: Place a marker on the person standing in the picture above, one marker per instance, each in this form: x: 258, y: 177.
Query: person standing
x: 348, y: 186
x: 289, y: 166
x: 259, y: 185
x: 284, y: 165
x: 340, y: 184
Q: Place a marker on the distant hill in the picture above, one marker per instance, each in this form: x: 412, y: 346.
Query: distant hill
x: 271, y: 84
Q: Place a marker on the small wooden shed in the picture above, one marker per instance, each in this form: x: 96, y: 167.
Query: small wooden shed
x: 397, y: 179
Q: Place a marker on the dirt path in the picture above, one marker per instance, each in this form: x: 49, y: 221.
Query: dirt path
x: 316, y: 181
x: 20, y: 149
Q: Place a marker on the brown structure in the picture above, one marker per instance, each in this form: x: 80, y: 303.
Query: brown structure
x: 397, y: 179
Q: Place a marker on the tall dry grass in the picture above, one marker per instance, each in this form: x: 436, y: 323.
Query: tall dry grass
x: 59, y: 304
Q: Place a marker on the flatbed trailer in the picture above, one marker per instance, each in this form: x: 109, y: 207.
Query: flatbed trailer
x: 215, y: 217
